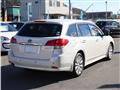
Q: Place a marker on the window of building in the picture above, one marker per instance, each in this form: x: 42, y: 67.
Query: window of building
x: 30, y: 9
x: 50, y: 3
x: 58, y: 3
x: 72, y: 31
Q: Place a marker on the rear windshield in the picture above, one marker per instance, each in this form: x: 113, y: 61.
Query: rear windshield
x: 40, y: 30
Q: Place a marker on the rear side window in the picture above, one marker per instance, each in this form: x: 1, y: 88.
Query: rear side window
x: 84, y: 29
x: 41, y: 30
x: 72, y: 30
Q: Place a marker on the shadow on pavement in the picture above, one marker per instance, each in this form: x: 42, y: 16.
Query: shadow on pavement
x: 21, y: 79
x: 109, y: 86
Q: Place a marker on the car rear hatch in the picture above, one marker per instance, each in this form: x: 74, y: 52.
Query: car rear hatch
x: 33, y: 41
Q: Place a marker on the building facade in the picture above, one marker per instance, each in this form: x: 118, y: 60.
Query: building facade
x: 10, y: 10
x: 13, y: 13
x: 42, y: 9
x: 78, y: 14
x: 98, y: 15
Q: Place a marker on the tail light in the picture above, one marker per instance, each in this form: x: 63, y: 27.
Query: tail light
x: 13, y: 40
x: 57, y: 42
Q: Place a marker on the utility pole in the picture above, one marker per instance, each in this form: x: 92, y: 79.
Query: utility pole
x: 0, y: 11
x: 4, y: 10
x: 118, y: 14
x: 69, y: 9
x: 106, y: 8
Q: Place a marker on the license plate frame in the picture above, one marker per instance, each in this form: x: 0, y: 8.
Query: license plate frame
x: 31, y: 49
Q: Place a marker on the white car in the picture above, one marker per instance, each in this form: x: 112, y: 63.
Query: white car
x: 59, y: 45
x: 6, y: 33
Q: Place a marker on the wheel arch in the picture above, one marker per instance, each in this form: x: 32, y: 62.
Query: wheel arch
x: 74, y: 72
x: 112, y: 44
x: 82, y: 52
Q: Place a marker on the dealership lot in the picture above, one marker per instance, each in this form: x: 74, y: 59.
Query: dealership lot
x: 100, y: 75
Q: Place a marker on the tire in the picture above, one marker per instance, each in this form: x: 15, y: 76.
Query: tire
x: 109, y: 52
x: 78, y: 65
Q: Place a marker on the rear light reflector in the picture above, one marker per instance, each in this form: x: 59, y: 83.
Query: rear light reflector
x: 13, y: 40
x: 57, y: 42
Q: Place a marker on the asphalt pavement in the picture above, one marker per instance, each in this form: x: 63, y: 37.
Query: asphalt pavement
x: 99, y: 75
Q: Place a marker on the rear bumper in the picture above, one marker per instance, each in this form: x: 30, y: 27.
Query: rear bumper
x: 54, y: 64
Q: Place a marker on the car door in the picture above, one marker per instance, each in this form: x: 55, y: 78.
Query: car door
x: 72, y: 36
x: 87, y: 41
x: 100, y: 46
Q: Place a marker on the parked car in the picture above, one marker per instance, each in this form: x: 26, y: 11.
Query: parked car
x: 8, y: 30
x: 17, y: 25
x: 59, y: 45
x: 110, y: 27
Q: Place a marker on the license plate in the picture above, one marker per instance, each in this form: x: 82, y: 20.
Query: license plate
x: 31, y: 49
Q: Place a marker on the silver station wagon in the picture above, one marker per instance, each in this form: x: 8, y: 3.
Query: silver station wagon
x: 59, y: 45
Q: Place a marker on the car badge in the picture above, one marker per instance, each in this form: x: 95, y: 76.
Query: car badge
x: 29, y: 40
